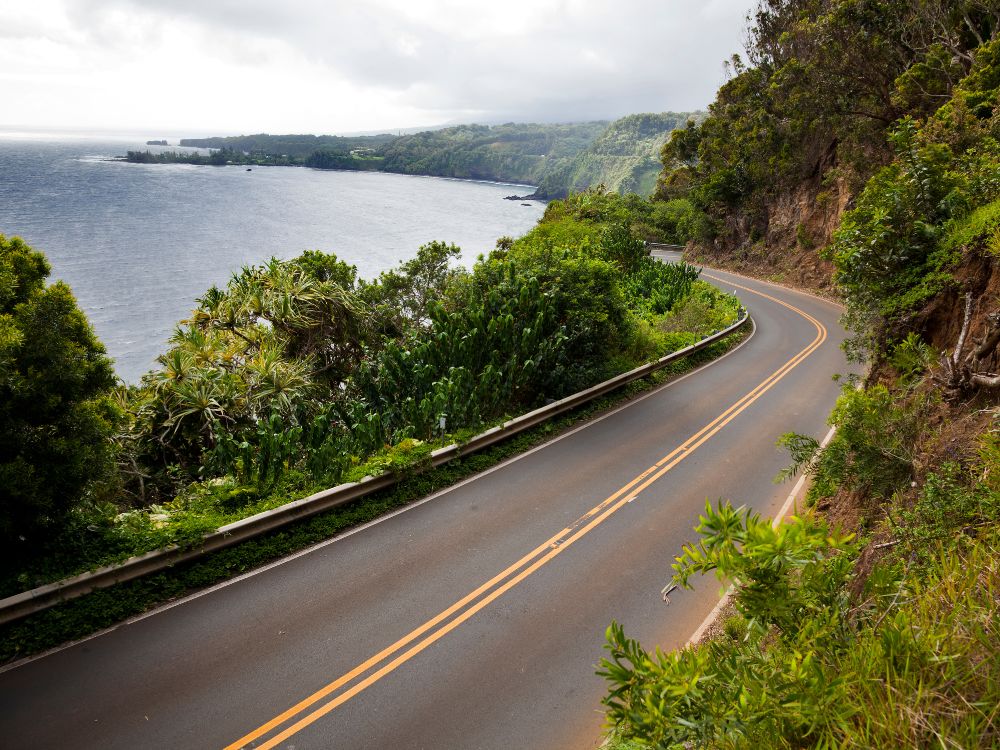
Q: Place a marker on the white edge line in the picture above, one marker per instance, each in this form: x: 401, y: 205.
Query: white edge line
x: 789, y: 503
x: 358, y: 529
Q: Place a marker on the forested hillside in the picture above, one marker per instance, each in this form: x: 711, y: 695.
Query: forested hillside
x: 625, y: 157
x: 857, y: 147
x: 804, y: 121
x: 296, y: 146
x: 559, y: 158
x: 506, y: 153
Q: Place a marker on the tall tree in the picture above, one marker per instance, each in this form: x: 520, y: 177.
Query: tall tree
x: 55, y: 419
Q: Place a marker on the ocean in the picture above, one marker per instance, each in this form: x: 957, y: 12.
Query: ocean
x: 139, y: 243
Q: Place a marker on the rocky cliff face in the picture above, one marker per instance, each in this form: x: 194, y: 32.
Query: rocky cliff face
x: 794, y: 226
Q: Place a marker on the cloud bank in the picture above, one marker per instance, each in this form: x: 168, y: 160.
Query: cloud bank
x: 301, y: 65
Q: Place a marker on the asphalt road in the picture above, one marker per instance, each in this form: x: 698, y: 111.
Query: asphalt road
x: 474, y: 619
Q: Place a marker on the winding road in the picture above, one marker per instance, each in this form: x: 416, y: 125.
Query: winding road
x: 475, y: 618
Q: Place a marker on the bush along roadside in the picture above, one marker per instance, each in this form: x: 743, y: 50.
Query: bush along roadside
x: 105, y: 607
x: 881, y: 636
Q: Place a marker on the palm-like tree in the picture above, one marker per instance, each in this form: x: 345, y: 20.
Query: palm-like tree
x: 275, y: 384
x: 197, y: 405
x: 264, y: 345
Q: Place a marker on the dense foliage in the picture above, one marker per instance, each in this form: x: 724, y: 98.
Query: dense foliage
x: 919, y: 215
x: 827, y: 649
x: 338, y: 366
x: 55, y: 417
x: 908, y: 661
x: 217, y: 158
x: 293, y: 146
x: 823, y: 82
x: 624, y: 158
x: 298, y: 375
x: 510, y: 153
x: 102, y: 608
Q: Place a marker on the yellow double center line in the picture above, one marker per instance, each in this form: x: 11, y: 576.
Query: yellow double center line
x: 391, y: 657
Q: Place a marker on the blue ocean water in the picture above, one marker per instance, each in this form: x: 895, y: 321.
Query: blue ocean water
x: 139, y: 243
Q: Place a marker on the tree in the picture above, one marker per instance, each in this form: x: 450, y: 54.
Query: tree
x: 400, y: 298
x: 825, y: 82
x: 327, y: 267
x: 55, y: 418
x: 279, y: 340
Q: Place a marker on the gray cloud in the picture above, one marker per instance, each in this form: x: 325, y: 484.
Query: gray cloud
x: 572, y: 60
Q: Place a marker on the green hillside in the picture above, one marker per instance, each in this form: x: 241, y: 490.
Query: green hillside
x: 625, y: 158
x: 559, y: 158
x: 524, y: 153
x: 294, y: 146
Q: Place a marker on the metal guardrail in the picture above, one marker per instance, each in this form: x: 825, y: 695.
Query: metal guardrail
x: 43, y: 597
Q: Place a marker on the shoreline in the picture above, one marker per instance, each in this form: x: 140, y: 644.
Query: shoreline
x: 534, y: 196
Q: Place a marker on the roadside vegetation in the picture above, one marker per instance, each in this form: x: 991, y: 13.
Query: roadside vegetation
x: 299, y: 376
x: 102, y: 608
x: 805, y: 120
x: 870, y: 619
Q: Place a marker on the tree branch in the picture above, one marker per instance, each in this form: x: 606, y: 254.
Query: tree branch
x: 990, y: 339
x: 956, y: 357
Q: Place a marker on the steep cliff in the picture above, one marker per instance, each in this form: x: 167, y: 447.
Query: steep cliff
x: 624, y: 158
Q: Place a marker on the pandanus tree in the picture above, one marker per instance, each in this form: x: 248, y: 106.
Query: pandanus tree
x: 285, y: 305
x: 278, y: 340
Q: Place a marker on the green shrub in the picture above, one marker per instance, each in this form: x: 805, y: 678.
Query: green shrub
x: 911, y: 357
x: 735, y: 628
x: 982, y: 225
x: 620, y: 246
x: 657, y: 288
x: 55, y: 415
x: 678, y: 221
x: 874, y: 449
x: 887, y: 243
x: 802, y: 238
x: 734, y: 692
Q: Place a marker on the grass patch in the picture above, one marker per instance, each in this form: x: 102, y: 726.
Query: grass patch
x: 981, y: 224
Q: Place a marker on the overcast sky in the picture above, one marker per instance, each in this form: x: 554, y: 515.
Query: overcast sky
x: 205, y: 67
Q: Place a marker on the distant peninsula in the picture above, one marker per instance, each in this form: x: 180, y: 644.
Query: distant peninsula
x: 622, y: 155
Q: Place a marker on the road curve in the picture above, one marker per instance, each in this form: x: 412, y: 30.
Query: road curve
x: 471, y: 620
